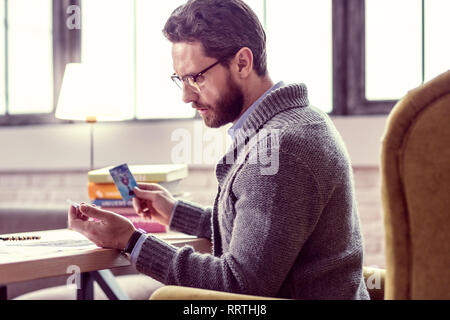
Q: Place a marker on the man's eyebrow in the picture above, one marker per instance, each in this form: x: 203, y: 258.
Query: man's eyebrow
x: 190, y: 74
x: 186, y: 75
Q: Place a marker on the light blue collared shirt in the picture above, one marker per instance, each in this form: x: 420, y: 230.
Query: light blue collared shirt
x: 137, y: 249
x: 238, y: 125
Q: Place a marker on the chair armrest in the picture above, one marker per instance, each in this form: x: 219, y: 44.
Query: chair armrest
x: 186, y: 293
x: 374, y: 279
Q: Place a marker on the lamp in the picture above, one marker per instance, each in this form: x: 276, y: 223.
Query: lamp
x: 91, y: 94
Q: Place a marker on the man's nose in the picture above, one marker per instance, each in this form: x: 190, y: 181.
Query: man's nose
x: 189, y: 94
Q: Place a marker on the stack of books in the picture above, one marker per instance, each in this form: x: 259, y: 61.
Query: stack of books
x: 104, y: 193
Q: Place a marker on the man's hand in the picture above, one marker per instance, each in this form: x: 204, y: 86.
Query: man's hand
x: 153, y: 201
x: 105, y: 228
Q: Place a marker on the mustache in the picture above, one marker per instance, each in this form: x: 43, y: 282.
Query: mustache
x: 199, y: 106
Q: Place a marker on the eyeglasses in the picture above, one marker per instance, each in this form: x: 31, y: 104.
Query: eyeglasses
x: 193, y: 81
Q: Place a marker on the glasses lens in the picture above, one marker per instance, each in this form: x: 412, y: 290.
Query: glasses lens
x: 193, y: 84
x: 177, y: 81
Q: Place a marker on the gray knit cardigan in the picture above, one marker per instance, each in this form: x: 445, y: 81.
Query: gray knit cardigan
x: 284, y: 222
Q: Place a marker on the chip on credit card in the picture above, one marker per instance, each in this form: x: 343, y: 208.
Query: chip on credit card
x: 124, y: 181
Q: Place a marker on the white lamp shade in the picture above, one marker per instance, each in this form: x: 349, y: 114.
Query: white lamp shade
x: 90, y: 94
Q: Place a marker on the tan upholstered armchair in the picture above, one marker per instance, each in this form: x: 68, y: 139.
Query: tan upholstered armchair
x: 184, y: 293
x: 415, y: 174
x: 415, y: 168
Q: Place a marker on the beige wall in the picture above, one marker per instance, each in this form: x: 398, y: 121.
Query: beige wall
x: 67, y: 147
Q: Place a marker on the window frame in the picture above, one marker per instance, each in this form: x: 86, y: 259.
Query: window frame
x: 349, y: 60
x: 66, y: 49
x: 348, y: 64
x: 349, y: 72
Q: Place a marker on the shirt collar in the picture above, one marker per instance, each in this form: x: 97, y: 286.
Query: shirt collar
x: 238, y: 125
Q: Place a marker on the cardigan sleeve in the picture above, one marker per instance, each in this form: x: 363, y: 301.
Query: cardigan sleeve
x: 191, y: 219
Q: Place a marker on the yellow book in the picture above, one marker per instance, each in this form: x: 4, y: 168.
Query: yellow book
x: 144, y: 173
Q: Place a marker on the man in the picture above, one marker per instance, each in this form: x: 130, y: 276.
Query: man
x: 292, y: 232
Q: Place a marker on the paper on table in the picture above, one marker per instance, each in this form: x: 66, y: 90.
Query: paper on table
x: 50, y: 243
x: 59, y: 241
x: 58, y: 238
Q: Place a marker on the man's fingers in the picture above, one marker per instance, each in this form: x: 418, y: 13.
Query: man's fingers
x: 75, y: 213
x: 149, y: 186
x: 136, y: 205
x: 72, y: 210
x: 141, y: 208
x: 93, y: 212
x: 145, y: 194
x: 76, y: 224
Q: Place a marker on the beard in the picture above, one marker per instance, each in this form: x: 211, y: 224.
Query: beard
x: 227, y: 109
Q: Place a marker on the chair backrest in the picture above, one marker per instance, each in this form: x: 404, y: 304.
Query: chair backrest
x: 415, y: 183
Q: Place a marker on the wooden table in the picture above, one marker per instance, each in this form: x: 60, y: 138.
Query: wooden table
x: 29, y: 261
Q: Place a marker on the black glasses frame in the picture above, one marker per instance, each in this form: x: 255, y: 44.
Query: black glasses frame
x: 191, y: 80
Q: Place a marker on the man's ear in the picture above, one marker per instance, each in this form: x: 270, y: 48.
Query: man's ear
x: 243, y: 62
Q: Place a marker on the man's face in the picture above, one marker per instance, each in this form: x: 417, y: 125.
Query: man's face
x: 220, y: 100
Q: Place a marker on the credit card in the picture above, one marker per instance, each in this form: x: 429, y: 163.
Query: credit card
x: 124, y: 181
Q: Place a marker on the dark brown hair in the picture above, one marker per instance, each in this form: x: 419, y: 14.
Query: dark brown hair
x: 222, y: 26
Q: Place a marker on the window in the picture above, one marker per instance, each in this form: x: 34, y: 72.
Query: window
x: 148, y: 53
x: 355, y: 56
x: 125, y: 44
x: 299, y: 46
x: 393, y: 48
x: 437, y: 45
x: 27, y: 57
x: 30, y: 78
x: 390, y: 47
x: 134, y: 54
x: 420, y: 52
x: 107, y: 48
x: 156, y: 96
x: 35, y: 45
